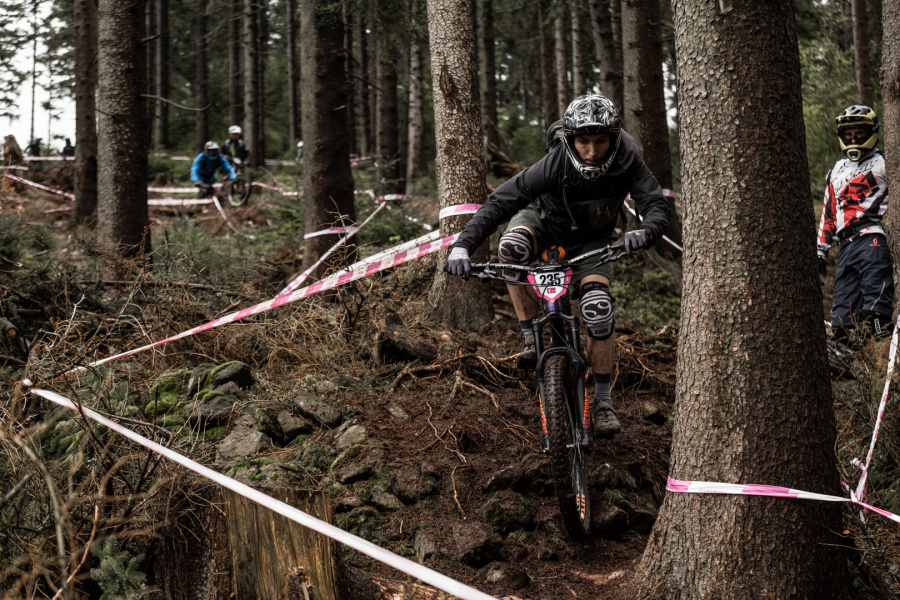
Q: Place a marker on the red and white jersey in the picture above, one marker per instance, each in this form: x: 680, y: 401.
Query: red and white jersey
x: 853, y: 190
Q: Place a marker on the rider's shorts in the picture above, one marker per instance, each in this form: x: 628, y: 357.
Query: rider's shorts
x: 530, y: 217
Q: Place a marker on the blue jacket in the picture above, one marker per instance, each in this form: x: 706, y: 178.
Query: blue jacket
x: 204, y: 168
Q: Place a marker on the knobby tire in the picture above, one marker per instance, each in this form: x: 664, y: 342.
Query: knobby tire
x: 567, y: 458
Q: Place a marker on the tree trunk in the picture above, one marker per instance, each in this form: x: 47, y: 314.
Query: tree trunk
x: 251, y: 82
x: 161, y: 139
x: 548, y: 66
x: 754, y: 400
x: 890, y: 91
x: 362, y: 84
x: 262, y: 57
x: 579, y: 74
x: 202, y: 83
x: 292, y: 74
x: 372, y: 76
x: 150, y: 50
x: 122, y: 178
x: 85, y: 210
x: 864, y: 94
x: 644, y: 114
x: 563, y: 90
x: 387, y: 145
x: 460, y: 155
x: 608, y: 58
x: 349, y: 30
x: 327, y: 181
x: 235, y: 103
x: 416, y: 162
x: 487, y: 71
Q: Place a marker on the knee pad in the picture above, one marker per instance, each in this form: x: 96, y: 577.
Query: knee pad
x: 515, y: 248
x: 597, y: 310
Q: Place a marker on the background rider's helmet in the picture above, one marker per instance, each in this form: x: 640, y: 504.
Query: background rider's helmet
x: 586, y: 115
x: 211, y: 149
x: 234, y: 129
x: 857, y: 116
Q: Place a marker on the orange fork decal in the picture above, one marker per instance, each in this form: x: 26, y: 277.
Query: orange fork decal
x: 586, y: 420
x: 543, y: 416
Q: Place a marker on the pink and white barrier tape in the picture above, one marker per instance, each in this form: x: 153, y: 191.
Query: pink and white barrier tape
x: 333, y: 281
x: 293, y: 285
x: 392, y: 197
x: 710, y: 487
x: 331, y: 230
x: 177, y: 201
x: 41, y: 158
x: 39, y: 186
x: 186, y: 190
x: 459, y: 209
x: 442, y: 582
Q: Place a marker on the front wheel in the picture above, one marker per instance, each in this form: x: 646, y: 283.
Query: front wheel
x: 567, y: 457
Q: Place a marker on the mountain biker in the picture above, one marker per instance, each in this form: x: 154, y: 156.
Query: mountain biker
x: 856, y: 196
x: 203, y: 171
x: 234, y: 146
x: 572, y: 197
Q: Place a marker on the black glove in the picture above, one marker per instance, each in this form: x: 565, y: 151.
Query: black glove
x: 636, y: 240
x: 823, y: 268
x: 458, y: 263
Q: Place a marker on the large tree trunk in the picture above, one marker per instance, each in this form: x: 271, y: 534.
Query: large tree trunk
x: 754, y: 399
x: 890, y: 90
x: 560, y: 29
x: 579, y: 71
x: 416, y: 162
x: 864, y: 94
x: 235, y: 102
x: 85, y: 210
x: 251, y: 82
x: 372, y: 75
x: 262, y: 57
x: 150, y: 50
x: 327, y: 181
x: 122, y: 179
x: 460, y: 155
x: 161, y: 139
x: 548, y: 65
x: 644, y: 114
x: 609, y: 59
x: 202, y: 83
x: 349, y: 30
x: 387, y: 137
x: 487, y: 71
x: 290, y: 34
x: 362, y: 83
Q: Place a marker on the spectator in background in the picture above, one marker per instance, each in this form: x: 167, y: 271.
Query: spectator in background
x: 34, y: 148
x: 68, y: 149
x: 300, y: 150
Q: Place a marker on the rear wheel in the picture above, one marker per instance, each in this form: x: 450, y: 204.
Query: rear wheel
x: 567, y: 457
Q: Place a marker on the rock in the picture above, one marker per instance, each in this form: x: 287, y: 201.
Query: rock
x: 313, y: 456
x: 547, y: 552
x: 610, y: 524
x: 536, y: 474
x: 326, y: 387
x: 234, y: 371
x: 507, y: 478
x: 244, y: 442
x: 508, y: 576
x: 475, y: 545
x: 506, y: 511
x: 409, y: 484
x: 641, y: 519
x: 230, y: 388
x: 263, y: 422
x: 347, y: 503
x: 515, y: 546
x: 606, y: 476
x: 354, y: 472
x: 216, y: 411
x: 318, y: 410
x: 397, y: 412
x: 424, y: 546
x: 293, y: 426
x: 198, y: 376
x: 349, y: 434
x: 655, y: 414
x: 366, y: 522
x: 385, y: 500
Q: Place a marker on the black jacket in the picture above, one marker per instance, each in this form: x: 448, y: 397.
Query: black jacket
x: 594, y: 205
x: 240, y: 149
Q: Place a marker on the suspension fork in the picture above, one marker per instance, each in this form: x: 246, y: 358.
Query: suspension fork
x: 565, y: 340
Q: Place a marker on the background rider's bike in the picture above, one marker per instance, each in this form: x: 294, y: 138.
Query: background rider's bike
x: 238, y: 191
x: 561, y: 371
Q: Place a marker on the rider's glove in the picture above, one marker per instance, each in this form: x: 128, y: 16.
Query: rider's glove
x: 458, y: 263
x: 198, y: 184
x: 636, y: 240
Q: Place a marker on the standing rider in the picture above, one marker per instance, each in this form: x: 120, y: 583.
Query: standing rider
x: 203, y: 171
x: 234, y: 146
x: 856, y: 196
x: 572, y: 197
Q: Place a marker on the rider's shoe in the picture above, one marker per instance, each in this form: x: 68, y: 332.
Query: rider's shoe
x: 527, y: 357
x: 606, y: 423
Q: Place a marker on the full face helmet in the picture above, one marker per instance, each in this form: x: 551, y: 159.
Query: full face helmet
x: 587, y: 115
x: 852, y: 120
x: 211, y: 149
x: 234, y: 129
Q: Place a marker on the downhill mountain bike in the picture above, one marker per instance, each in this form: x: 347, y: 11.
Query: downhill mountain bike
x: 238, y: 191
x: 561, y: 371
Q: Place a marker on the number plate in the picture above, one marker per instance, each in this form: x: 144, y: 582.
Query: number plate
x: 550, y: 285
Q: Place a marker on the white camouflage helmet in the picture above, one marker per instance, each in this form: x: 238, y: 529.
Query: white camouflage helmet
x: 586, y: 115
x: 234, y: 129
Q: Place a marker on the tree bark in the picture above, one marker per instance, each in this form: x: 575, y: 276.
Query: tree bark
x: 890, y: 96
x: 202, y: 83
x: 563, y: 90
x: 327, y: 180
x: 122, y: 178
x: 864, y: 94
x: 608, y: 58
x: 487, y: 72
x: 150, y: 49
x: 290, y: 34
x: 235, y: 102
x: 349, y: 30
x: 372, y: 76
x: 548, y: 65
x: 251, y: 82
x: 161, y: 139
x: 579, y: 74
x: 460, y: 155
x: 416, y: 162
x: 362, y: 84
x: 387, y: 136
x: 85, y: 210
x: 754, y: 400
x: 262, y: 57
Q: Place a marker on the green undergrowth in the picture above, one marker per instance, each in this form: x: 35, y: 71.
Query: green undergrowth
x: 647, y: 296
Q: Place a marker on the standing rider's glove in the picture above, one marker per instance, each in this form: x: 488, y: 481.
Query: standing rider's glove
x: 636, y: 240
x: 823, y: 268
x: 458, y: 263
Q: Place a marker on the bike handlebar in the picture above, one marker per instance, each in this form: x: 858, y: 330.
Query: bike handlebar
x: 608, y: 254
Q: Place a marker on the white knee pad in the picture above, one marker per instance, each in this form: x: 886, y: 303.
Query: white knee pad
x: 597, y: 310
x: 515, y: 248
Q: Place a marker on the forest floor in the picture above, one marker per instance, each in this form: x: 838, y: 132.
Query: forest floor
x: 446, y: 467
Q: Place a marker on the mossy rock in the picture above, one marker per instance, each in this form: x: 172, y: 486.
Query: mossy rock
x: 166, y: 393
x: 366, y: 522
x: 214, y: 434
x: 235, y: 371
x: 507, y: 511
